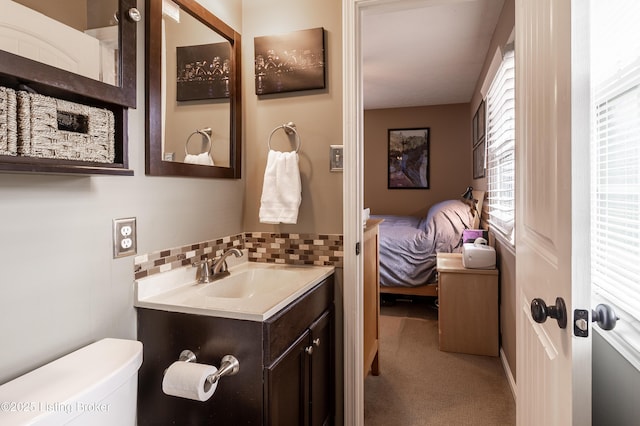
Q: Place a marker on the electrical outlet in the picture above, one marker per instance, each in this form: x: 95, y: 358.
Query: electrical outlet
x: 124, y: 237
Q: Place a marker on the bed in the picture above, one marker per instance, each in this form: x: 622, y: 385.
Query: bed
x: 409, y: 245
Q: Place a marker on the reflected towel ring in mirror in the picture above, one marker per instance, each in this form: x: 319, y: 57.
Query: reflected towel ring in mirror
x: 288, y: 128
x: 206, y: 132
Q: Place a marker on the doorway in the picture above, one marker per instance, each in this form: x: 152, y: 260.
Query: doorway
x: 354, y: 185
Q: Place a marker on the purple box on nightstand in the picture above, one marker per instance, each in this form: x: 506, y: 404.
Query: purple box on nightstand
x: 470, y: 235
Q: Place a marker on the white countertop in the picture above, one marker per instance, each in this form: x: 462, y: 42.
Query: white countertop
x: 254, y: 291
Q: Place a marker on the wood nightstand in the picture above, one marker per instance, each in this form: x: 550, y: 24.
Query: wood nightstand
x: 468, y: 307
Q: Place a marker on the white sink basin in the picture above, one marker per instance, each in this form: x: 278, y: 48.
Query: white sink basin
x: 253, y: 291
x: 253, y: 282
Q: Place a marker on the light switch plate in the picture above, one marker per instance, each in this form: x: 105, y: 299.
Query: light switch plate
x: 124, y: 237
x: 336, y: 158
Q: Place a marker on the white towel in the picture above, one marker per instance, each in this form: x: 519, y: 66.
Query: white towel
x: 282, y: 189
x: 203, y: 158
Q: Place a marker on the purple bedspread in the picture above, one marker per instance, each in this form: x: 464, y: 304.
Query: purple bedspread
x: 409, y: 245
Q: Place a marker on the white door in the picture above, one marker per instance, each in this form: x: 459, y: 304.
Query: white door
x: 552, y: 205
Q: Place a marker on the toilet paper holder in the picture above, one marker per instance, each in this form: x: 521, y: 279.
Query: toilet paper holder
x: 228, y: 366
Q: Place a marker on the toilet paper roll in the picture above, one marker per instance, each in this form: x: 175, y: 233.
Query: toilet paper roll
x: 189, y: 380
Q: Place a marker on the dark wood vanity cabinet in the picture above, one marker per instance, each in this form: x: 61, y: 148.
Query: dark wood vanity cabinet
x: 298, y: 384
x: 286, y: 374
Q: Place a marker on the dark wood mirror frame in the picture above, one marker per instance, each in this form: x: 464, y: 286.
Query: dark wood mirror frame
x: 51, y: 81
x: 153, y: 154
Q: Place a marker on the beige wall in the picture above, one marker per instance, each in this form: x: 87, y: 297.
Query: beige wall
x: 100, y: 13
x: 449, y: 162
x: 79, y: 14
x: 316, y: 113
x: 505, y: 256
x: 70, y: 12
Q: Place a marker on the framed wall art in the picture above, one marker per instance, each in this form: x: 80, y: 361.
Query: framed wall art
x: 481, y: 122
x: 290, y: 62
x: 478, y: 160
x: 408, y: 154
x: 478, y: 141
x: 203, y: 71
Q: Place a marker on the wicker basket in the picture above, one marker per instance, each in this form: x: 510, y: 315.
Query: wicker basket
x: 53, y: 128
x: 8, y: 122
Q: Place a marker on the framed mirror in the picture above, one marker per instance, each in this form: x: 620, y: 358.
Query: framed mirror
x: 79, y: 50
x: 193, y: 107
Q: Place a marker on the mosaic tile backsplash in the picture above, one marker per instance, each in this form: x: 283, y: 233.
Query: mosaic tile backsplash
x: 267, y: 247
x: 295, y: 249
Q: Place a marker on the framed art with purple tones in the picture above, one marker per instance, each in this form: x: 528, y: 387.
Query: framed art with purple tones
x: 408, y: 154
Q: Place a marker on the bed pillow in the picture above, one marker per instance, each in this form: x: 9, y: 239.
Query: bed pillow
x: 445, y: 223
x: 456, y: 208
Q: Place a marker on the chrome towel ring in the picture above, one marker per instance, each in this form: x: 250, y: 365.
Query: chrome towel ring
x: 206, y: 132
x: 288, y: 128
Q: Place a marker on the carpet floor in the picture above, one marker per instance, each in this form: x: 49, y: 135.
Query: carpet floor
x: 421, y: 385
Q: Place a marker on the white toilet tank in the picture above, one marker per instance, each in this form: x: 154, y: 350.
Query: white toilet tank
x: 96, y: 385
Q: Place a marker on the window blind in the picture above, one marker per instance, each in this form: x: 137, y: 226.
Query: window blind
x: 615, y: 169
x: 500, y: 142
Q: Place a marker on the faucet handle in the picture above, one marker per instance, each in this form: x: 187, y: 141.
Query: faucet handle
x: 203, y: 275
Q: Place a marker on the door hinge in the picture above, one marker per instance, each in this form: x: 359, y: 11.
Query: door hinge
x: 357, y: 248
x: 581, y: 323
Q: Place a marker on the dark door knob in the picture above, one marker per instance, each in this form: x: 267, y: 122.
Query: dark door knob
x: 605, y: 316
x: 540, y: 311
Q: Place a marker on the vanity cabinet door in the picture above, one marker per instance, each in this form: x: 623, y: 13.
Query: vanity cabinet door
x: 321, y: 370
x: 299, y: 361
x: 299, y: 384
x: 286, y: 386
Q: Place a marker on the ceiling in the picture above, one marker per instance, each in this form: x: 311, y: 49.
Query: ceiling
x: 425, y: 52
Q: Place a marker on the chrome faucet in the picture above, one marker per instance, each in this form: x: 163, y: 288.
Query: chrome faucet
x: 204, y: 271
x: 220, y: 264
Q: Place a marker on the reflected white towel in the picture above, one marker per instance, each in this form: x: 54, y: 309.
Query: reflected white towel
x: 203, y: 158
x: 282, y: 189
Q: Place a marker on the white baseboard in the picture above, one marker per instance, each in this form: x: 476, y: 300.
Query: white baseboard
x: 507, y: 371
